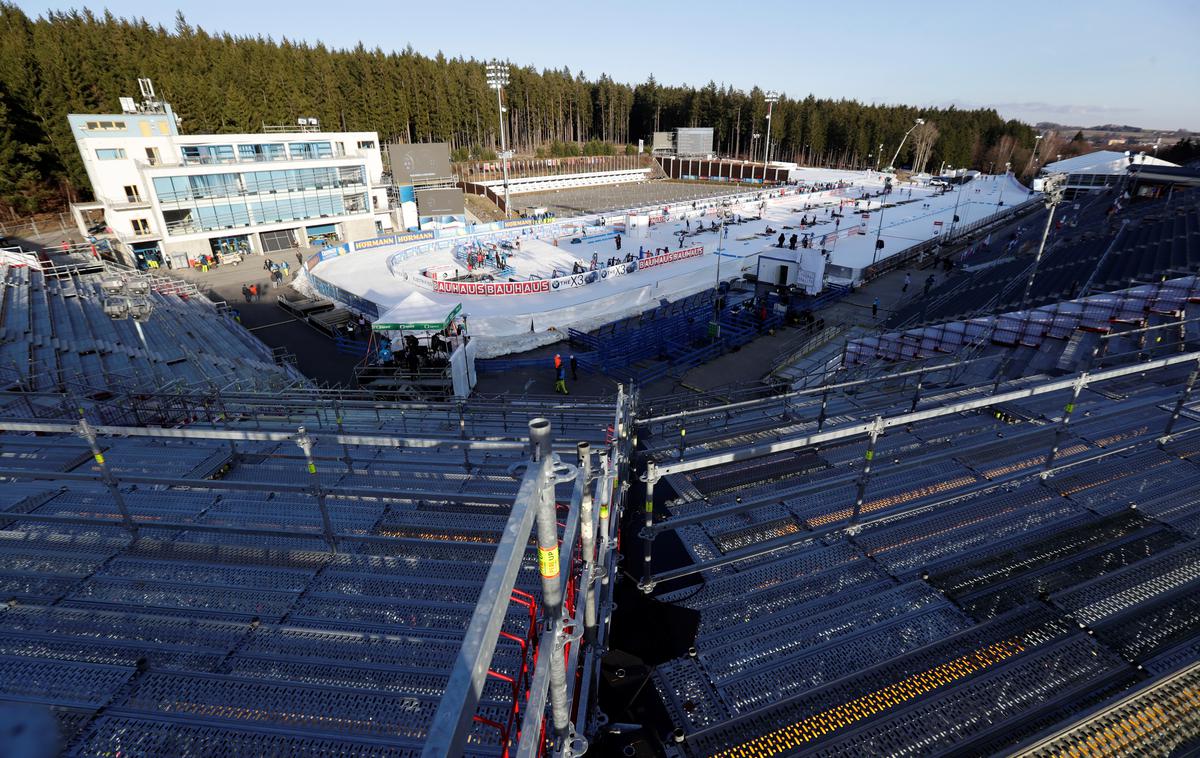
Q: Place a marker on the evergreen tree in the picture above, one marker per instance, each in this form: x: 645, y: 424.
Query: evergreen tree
x: 77, y: 62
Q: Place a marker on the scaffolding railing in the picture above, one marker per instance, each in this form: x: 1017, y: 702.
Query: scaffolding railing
x: 577, y: 563
x: 871, y: 431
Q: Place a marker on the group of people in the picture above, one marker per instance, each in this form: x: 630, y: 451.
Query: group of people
x: 413, y: 356
x: 252, y: 293
x: 205, y: 261
x: 489, y: 256
x: 560, y: 372
x: 805, y: 242
x: 281, y: 267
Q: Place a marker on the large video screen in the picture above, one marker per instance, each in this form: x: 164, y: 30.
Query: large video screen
x: 440, y: 202
x: 694, y: 141
x: 418, y: 163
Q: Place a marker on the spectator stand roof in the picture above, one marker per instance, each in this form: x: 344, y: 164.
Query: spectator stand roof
x: 1102, y: 162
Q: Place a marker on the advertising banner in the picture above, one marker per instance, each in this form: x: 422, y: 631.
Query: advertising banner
x: 420, y: 326
x: 493, y: 288
x: 671, y: 257
x: 393, y: 239
x: 517, y: 223
x: 348, y: 299
x: 333, y: 252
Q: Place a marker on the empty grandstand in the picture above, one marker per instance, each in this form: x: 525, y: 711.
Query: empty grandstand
x: 996, y: 567
x: 1094, y: 252
x: 975, y: 531
x: 309, y: 577
x: 58, y: 336
x: 971, y: 538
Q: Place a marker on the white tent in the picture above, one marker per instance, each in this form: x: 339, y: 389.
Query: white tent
x: 417, y: 312
x: 1102, y: 162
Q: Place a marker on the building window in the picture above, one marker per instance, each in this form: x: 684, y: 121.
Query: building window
x: 110, y: 154
x: 350, y: 175
x: 355, y: 203
x: 105, y: 126
x: 268, y: 152
x: 132, y: 194
x: 366, y: 145
x: 140, y: 226
x: 323, y: 235
x: 207, y: 154
x: 310, y: 150
x: 152, y: 156
x: 215, y: 185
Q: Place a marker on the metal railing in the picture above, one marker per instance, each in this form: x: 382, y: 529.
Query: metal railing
x: 576, y: 583
x: 871, y: 430
x: 906, y: 255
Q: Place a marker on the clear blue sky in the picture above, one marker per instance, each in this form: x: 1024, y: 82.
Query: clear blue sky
x: 1059, y: 60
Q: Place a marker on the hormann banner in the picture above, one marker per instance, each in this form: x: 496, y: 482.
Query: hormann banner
x: 393, y: 239
x: 529, y: 287
x: 671, y: 257
x: 516, y: 223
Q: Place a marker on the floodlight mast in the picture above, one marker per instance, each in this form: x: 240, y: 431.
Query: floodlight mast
x: 772, y: 98
x: 1052, y: 188
x: 892, y: 166
x: 1037, y: 140
x: 497, y: 77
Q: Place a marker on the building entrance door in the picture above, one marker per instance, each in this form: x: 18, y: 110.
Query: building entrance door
x: 273, y: 242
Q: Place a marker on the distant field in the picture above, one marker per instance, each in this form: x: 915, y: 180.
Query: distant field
x: 574, y: 202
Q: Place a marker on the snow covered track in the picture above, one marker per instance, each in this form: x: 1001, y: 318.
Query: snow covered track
x: 570, y: 274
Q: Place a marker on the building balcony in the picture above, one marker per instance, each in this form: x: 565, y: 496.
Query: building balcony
x: 258, y: 159
x: 241, y: 194
x: 129, y: 204
x: 193, y: 226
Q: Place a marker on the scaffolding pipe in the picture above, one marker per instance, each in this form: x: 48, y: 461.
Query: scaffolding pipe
x: 824, y: 409
x: 305, y: 443
x: 549, y: 567
x: 917, y: 394
x: 646, y: 584
x: 656, y: 471
x: 88, y: 433
x: 1038, y: 258
x: 587, y: 537
x: 1183, y: 398
x: 605, y: 494
x: 865, y: 475
x: 241, y: 435
x: 822, y: 388
x: 1061, y: 431
x: 337, y: 409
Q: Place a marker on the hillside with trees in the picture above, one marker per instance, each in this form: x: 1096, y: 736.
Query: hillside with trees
x: 77, y: 62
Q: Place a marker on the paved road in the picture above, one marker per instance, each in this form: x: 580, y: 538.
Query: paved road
x: 315, y: 354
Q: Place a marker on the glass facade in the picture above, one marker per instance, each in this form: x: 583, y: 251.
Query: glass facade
x: 172, y: 189
x: 264, y: 152
x: 224, y: 201
x: 236, y: 199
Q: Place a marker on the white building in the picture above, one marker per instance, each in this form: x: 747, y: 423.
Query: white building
x: 161, y: 194
x: 1098, y: 170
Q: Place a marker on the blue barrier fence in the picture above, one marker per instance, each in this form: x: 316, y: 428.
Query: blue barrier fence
x: 347, y: 346
x: 672, y: 338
